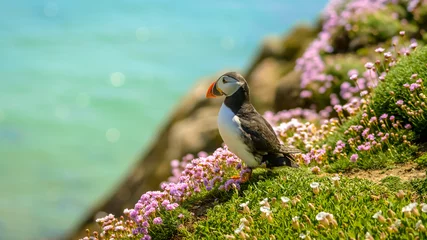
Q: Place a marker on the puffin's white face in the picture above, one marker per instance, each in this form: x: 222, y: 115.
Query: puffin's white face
x: 225, y: 85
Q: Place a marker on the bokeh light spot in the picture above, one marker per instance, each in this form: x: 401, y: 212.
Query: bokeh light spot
x: 112, y: 135
x: 83, y: 100
x: 143, y: 34
x: 50, y: 9
x: 117, y: 79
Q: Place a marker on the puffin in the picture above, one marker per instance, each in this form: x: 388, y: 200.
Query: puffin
x: 245, y: 132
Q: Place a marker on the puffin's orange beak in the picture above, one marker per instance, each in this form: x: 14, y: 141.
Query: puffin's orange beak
x: 213, y: 91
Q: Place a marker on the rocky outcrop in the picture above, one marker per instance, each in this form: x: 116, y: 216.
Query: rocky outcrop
x: 192, y: 126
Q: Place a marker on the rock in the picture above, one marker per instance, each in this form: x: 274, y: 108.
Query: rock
x: 287, y: 92
x: 263, y: 81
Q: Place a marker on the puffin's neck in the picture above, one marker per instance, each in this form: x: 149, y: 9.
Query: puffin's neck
x: 238, y: 99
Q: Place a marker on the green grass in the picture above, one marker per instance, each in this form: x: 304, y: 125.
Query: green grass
x: 352, y: 203
x: 388, y: 93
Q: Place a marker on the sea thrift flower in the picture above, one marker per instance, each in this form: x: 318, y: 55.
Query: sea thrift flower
x: 315, y: 187
x: 379, y: 50
x: 295, y: 222
x: 383, y: 116
x: 158, y: 220
x: 354, y: 157
x: 315, y: 170
x: 306, y: 94
x: 379, y: 215
x: 400, y: 194
x: 388, y: 55
x: 285, y: 201
x: 266, y: 213
x: 322, y: 218
x: 399, y: 103
x: 264, y: 202
x: 245, y: 207
x: 239, y: 229
x: 369, y: 65
x: 336, y: 180
x: 419, y: 226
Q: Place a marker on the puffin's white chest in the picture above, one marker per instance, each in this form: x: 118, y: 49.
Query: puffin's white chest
x: 231, y: 132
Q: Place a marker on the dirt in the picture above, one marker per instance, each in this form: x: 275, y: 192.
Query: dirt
x: 406, y: 172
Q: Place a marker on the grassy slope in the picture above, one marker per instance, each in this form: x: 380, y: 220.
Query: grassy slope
x: 353, y: 203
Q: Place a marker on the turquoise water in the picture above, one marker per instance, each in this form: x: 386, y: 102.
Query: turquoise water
x: 85, y: 85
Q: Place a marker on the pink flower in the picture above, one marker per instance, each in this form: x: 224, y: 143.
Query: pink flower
x: 379, y: 50
x: 306, y: 94
x: 158, y: 220
x: 353, y: 77
x: 354, y: 157
x: 369, y: 65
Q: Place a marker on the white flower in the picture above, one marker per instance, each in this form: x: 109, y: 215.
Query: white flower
x: 244, y: 204
x: 314, y: 185
x: 388, y: 55
x: 285, y: 199
x: 336, y: 178
x: 265, y: 210
x: 379, y: 50
x: 295, y: 218
x: 368, y: 235
x: 302, y: 236
x: 322, y: 215
x: 126, y: 211
x: 264, y: 201
x: 418, y: 224
x: 424, y: 208
x: 409, y: 207
x: 377, y: 214
x: 244, y: 221
x: 397, y: 223
x: 240, y: 228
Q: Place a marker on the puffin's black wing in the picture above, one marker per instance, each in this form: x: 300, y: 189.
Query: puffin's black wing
x: 258, y: 134
x: 262, y: 140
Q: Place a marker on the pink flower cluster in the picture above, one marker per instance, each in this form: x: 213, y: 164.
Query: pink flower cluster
x: 336, y: 14
x: 198, y: 174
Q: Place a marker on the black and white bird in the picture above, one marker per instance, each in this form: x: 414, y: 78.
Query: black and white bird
x: 246, y: 133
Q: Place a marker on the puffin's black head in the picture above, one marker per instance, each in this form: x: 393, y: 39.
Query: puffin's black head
x: 227, y: 85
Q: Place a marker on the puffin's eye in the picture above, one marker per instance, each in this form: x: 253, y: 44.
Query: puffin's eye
x: 223, y: 80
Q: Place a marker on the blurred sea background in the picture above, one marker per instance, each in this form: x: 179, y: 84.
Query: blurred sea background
x: 84, y: 86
